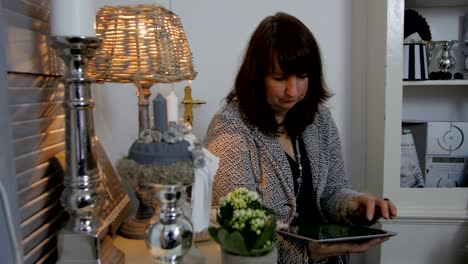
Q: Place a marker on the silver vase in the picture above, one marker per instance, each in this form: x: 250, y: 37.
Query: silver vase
x: 446, y: 62
x: 171, y: 236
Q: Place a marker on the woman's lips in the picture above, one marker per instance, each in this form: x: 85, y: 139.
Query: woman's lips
x: 284, y: 101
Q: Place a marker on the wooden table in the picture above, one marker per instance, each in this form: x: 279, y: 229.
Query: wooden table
x: 136, y: 252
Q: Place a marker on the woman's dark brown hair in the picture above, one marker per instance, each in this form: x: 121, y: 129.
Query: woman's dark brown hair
x: 285, y: 39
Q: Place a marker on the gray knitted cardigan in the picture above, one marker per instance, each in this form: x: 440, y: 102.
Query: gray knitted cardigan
x: 251, y: 159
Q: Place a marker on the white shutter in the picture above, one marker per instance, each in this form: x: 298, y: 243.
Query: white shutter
x: 37, y: 123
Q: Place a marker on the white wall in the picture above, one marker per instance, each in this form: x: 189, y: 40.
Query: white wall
x: 429, y: 241
x: 217, y: 32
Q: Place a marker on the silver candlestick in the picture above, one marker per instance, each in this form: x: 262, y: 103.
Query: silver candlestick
x: 78, y: 241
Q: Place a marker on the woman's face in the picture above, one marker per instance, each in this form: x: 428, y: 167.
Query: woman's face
x: 283, y: 92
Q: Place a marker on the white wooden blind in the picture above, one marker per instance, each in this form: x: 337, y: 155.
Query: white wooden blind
x: 37, y: 122
x: 36, y: 118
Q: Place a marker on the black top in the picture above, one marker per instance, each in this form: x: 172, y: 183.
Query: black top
x: 306, y: 209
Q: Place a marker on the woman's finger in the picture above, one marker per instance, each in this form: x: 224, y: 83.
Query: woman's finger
x: 281, y: 225
x: 338, y: 249
x: 383, y: 208
x: 392, y: 208
x: 369, y: 202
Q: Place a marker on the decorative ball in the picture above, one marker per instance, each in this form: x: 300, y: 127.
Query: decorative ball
x: 458, y: 76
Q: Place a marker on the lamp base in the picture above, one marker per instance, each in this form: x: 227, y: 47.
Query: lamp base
x: 134, y: 228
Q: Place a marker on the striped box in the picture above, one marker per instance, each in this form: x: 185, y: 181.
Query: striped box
x: 415, y: 66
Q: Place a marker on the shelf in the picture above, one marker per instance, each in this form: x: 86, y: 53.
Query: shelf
x: 434, y: 3
x: 436, y: 83
x: 429, y: 217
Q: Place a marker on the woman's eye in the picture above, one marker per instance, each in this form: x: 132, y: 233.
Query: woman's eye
x: 279, y: 78
x: 303, y: 76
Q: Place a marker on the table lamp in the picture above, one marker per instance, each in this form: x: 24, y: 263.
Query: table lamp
x: 144, y: 45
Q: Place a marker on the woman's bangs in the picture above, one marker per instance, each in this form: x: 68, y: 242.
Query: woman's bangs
x: 293, y: 59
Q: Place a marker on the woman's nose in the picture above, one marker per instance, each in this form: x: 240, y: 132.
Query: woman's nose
x: 291, y: 89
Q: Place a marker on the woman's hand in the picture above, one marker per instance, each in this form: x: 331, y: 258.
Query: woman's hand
x: 366, y: 209
x: 321, y: 251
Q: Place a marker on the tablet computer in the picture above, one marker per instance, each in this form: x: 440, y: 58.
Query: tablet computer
x: 326, y: 233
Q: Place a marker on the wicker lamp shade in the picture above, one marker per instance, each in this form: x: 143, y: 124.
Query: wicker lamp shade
x: 141, y: 43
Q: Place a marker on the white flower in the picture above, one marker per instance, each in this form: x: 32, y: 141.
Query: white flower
x: 242, y: 210
x: 255, y: 217
x: 241, y: 198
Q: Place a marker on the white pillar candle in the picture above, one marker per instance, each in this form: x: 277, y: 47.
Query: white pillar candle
x: 73, y: 18
x: 172, y: 107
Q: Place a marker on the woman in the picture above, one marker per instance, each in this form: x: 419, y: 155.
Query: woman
x: 276, y: 137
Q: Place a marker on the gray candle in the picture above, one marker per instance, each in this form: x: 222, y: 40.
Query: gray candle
x: 160, y: 113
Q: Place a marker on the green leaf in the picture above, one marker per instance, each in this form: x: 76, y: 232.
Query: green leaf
x: 255, y: 205
x: 234, y: 243
x: 268, y: 233
x: 219, y: 219
x: 213, y: 231
x: 222, y: 233
x: 222, y: 220
x: 218, y: 234
x: 226, y: 212
x: 262, y: 251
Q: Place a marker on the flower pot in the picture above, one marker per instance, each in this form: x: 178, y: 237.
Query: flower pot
x: 228, y: 258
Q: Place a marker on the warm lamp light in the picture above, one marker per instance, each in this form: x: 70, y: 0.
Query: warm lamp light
x: 144, y: 45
